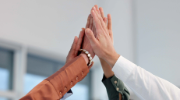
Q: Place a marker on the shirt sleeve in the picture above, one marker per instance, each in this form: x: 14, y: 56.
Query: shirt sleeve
x: 58, y: 84
x: 144, y: 84
x: 114, y: 86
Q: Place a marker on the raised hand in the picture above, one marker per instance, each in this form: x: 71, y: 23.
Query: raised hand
x: 102, y: 44
x: 77, y: 43
x: 76, y: 46
x: 105, y: 66
x: 86, y: 44
x: 72, y: 51
x: 83, y: 42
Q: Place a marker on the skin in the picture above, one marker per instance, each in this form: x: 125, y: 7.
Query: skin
x: 108, y: 22
x: 71, y: 54
x: 84, y: 43
x: 75, y: 48
x: 102, y: 44
x: 98, y: 40
x: 81, y: 42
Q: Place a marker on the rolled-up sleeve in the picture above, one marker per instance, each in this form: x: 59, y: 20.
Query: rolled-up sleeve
x: 114, y: 86
x: 143, y: 83
x: 58, y: 84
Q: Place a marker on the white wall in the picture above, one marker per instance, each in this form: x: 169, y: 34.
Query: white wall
x: 50, y: 26
x: 158, y: 33
x: 43, y: 24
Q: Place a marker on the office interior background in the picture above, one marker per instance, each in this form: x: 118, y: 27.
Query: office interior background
x: 36, y: 35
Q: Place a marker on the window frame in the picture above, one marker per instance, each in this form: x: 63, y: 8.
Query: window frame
x: 21, y: 52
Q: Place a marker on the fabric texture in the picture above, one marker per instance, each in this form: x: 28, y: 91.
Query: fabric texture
x: 144, y: 84
x: 114, y: 86
x: 58, y: 84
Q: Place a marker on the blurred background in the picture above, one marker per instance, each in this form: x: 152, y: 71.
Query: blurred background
x: 36, y: 35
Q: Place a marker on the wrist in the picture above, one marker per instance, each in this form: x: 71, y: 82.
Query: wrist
x: 112, y: 58
x: 106, y: 68
x: 85, y: 57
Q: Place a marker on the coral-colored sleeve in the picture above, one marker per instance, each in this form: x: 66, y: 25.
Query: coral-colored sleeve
x: 58, y: 84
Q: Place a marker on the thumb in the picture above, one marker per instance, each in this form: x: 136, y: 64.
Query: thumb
x: 91, y: 36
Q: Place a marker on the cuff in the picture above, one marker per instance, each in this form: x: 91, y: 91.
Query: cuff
x: 123, y: 68
x: 71, y: 73
x: 68, y: 94
x: 114, y: 86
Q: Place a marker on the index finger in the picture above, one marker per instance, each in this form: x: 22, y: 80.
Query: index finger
x: 95, y: 19
x: 101, y: 12
x: 81, y: 35
x: 88, y: 21
x: 109, y: 22
x: 73, y: 47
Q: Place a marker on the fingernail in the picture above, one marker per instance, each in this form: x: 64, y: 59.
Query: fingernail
x: 94, y: 8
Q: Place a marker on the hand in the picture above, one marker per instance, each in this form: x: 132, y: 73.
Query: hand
x: 75, y: 48
x: 72, y: 52
x: 86, y: 44
x: 105, y: 66
x: 107, y: 21
x: 79, y: 44
x: 102, y: 45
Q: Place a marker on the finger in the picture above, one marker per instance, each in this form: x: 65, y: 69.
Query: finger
x: 109, y: 22
x: 105, y: 20
x: 88, y: 21
x: 93, y: 29
x: 91, y: 37
x: 101, y: 20
x: 97, y: 9
x: 73, y: 47
x: 96, y: 21
x: 91, y: 23
x: 81, y: 35
x: 110, y: 27
x: 101, y: 12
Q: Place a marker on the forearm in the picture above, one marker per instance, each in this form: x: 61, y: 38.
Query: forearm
x: 58, y: 84
x: 111, y: 58
x: 115, y: 88
x: 120, y: 96
x: 108, y: 71
x: 106, y: 68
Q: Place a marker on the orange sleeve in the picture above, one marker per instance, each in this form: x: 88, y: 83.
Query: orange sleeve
x: 58, y: 84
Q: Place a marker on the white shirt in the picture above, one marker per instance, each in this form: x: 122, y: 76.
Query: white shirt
x: 144, y: 84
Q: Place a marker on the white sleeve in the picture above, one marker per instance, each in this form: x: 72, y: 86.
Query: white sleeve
x: 144, y: 84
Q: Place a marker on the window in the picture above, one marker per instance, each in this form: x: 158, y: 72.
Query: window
x: 6, y: 70
x: 1, y: 98
x: 39, y: 68
x: 82, y: 90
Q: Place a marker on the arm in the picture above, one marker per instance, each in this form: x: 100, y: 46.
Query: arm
x: 115, y: 87
x: 144, y: 84
x: 58, y: 84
